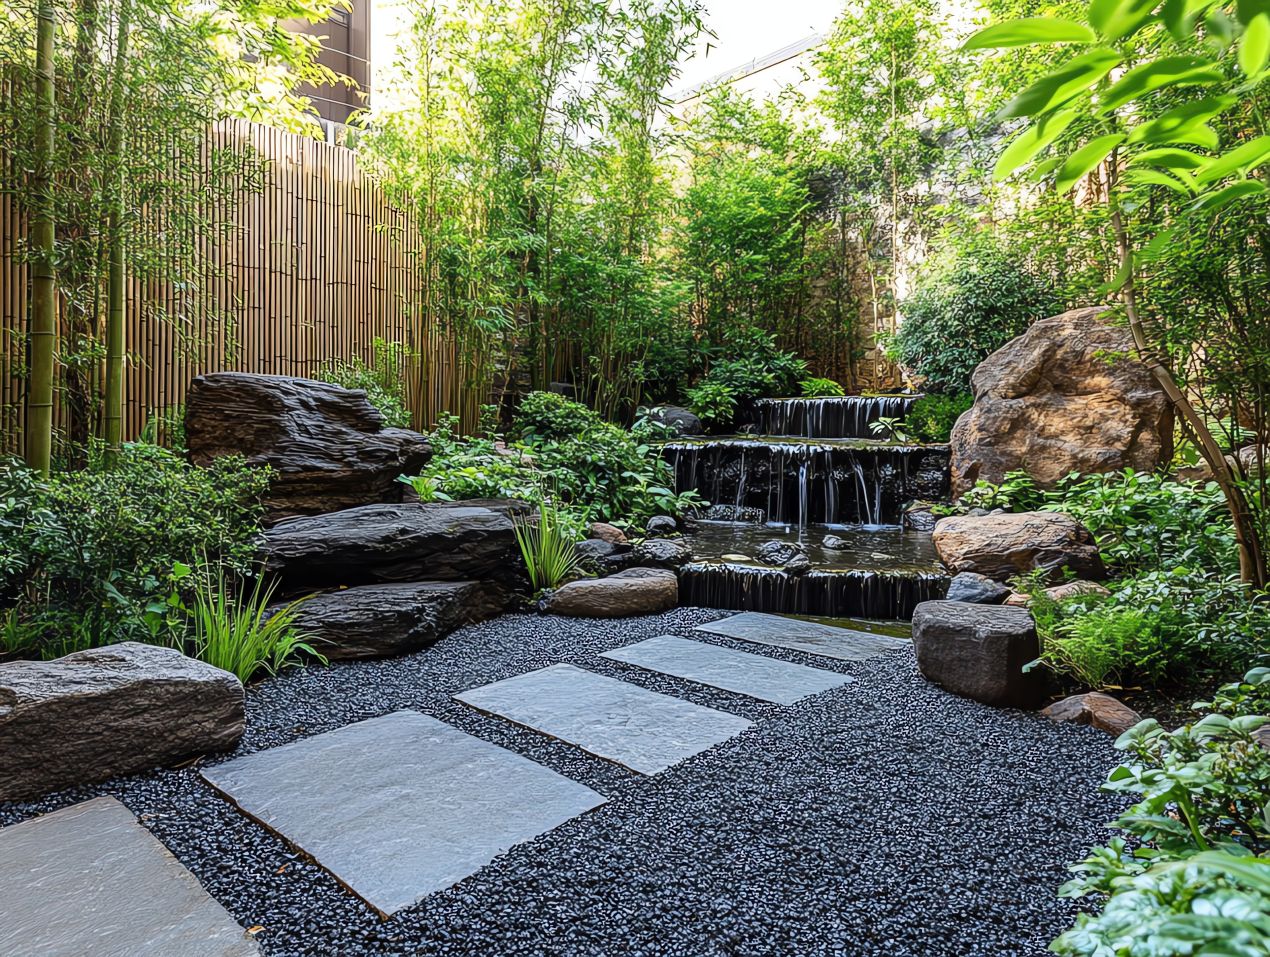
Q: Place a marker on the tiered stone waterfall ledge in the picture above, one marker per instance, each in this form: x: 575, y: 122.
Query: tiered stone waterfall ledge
x: 880, y: 816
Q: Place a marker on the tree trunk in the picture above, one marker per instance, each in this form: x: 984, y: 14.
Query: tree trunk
x: 1252, y: 559
x: 39, y: 406
x: 113, y: 413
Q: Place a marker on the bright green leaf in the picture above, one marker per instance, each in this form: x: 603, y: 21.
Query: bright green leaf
x: 1170, y: 159
x: 1235, y: 191
x: 1155, y: 177
x: 1016, y: 33
x: 1168, y: 71
x: 1059, y: 86
x: 1031, y: 142
x: 1239, y: 160
x: 1179, y: 124
x: 1116, y: 19
x: 1080, y: 163
x: 1254, y: 48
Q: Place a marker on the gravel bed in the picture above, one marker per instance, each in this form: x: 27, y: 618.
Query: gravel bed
x: 881, y: 818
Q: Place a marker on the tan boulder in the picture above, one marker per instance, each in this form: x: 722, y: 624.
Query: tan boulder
x: 1072, y: 589
x: 1095, y: 709
x: 1066, y: 396
x: 1003, y: 545
x: 636, y: 591
x: 608, y: 533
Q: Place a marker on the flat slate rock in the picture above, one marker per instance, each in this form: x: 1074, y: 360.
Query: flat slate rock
x: 764, y: 678
x: 400, y: 806
x: 89, y: 881
x: 830, y: 641
x: 640, y: 729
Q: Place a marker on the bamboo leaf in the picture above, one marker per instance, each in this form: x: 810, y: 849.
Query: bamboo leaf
x: 1165, y: 72
x: 1028, y: 30
x: 1032, y: 141
x: 1064, y: 83
x: 1254, y: 48
x: 1239, y: 160
x: 1085, y: 159
x: 1170, y: 159
x: 1117, y: 19
x: 1224, y: 197
x: 1155, y: 177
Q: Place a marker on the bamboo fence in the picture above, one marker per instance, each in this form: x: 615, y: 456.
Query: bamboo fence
x: 313, y: 265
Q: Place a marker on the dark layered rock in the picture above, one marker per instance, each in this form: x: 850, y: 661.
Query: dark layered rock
x: 1000, y: 546
x: 1066, y: 396
x: 412, y: 542
x: 979, y: 652
x: 636, y: 591
x: 117, y: 710
x: 1095, y: 709
x: 380, y: 621
x: 778, y: 552
x: 682, y: 421
x: 662, y: 553
x: 977, y: 589
x: 597, y: 555
x: 326, y: 445
x: 661, y: 525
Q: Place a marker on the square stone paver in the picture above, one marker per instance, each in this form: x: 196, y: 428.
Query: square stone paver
x: 764, y: 678
x: 844, y: 644
x: 641, y: 729
x: 90, y: 881
x: 400, y: 806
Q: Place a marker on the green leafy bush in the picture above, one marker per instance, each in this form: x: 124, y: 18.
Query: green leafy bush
x: 932, y: 417
x: 969, y: 304
x: 751, y: 367
x: 1191, y: 875
x: 566, y: 453
x: 816, y: 388
x: 88, y: 557
x: 383, y: 381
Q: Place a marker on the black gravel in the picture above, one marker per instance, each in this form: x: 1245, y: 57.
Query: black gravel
x: 882, y: 818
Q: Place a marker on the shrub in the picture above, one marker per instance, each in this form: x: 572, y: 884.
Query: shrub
x: 932, y: 417
x: 566, y: 453
x: 90, y: 557
x: 815, y: 388
x: 383, y: 381
x: 974, y: 300
x: 750, y: 367
x: 1190, y: 876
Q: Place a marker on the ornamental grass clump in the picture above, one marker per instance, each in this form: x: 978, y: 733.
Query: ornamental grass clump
x: 548, y: 546
x: 240, y: 635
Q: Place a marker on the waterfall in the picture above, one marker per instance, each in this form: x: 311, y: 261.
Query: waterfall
x: 845, y: 417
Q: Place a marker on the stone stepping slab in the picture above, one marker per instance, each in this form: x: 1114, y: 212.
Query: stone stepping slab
x: 400, y: 806
x: 829, y: 641
x: 89, y: 881
x: 639, y: 729
x: 759, y: 677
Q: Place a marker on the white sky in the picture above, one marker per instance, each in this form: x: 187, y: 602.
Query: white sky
x: 747, y: 29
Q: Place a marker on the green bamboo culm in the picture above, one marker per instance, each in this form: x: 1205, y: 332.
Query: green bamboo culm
x: 547, y: 546
x: 113, y: 398
x: 43, y: 321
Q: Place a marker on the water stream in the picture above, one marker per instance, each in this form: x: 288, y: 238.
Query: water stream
x: 815, y: 474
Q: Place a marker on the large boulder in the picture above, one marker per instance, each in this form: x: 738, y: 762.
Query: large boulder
x: 979, y: 652
x: 410, y: 542
x: 662, y: 553
x: 326, y: 445
x: 115, y: 710
x: 379, y: 621
x: 636, y: 591
x: 1066, y: 396
x: 1006, y: 544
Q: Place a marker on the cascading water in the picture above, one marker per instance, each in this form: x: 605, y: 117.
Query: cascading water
x: 813, y: 474
x: 845, y: 417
